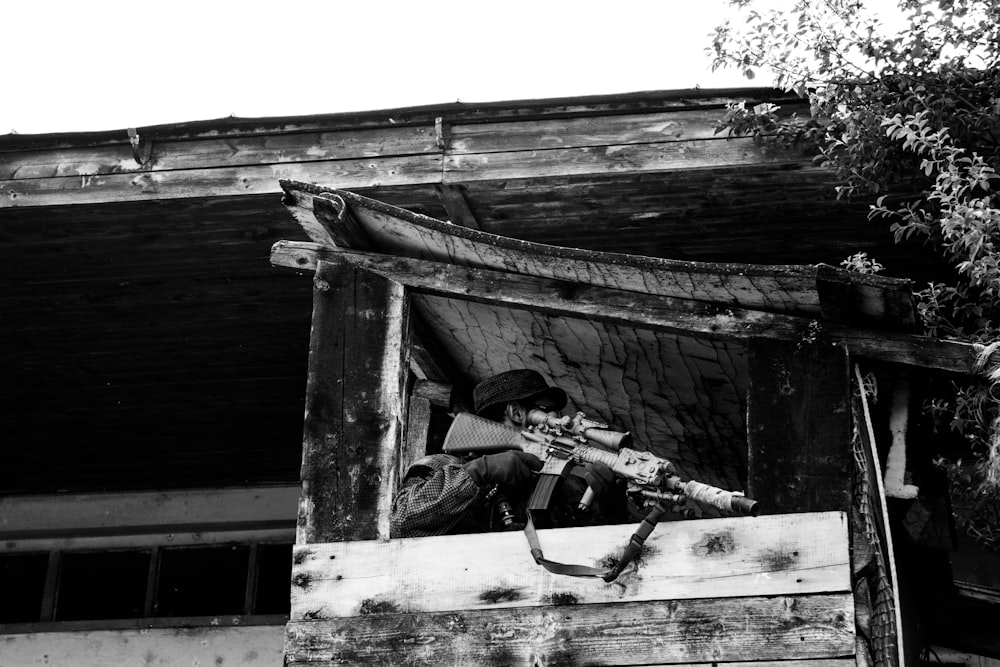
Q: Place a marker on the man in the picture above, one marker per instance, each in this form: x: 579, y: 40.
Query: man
x: 442, y: 493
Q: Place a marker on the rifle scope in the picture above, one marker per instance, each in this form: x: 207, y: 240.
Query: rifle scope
x: 579, y: 427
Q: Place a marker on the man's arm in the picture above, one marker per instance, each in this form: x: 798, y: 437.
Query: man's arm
x: 433, y: 502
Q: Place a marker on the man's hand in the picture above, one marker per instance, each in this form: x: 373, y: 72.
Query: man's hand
x: 508, y: 468
x: 599, y: 477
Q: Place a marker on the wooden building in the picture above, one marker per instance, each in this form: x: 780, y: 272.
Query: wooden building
x: 162, y: 368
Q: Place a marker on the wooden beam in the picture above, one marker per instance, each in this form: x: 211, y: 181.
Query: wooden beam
x: 354, y: 389
x: 338, y: 226
x: 652, y: 157
x: 385, y: 170
x: 640, y: 310
x: 799, y: 426
x: 457, y: 206
x: 386, y: 148
x: 80, y: 515
x: 530, y: 135
x: 438, y: 393
x: 789, y: 289
x: 418, y: 424
x: 714, y: 632
x: 215, y: 151
x: 792, y: 554
x: 554, y: 296
x: 221, y: 181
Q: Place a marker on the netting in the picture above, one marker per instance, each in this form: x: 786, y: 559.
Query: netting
x: 873, y: 581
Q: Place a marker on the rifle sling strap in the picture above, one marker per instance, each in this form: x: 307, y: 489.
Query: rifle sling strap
x: 632, y: 550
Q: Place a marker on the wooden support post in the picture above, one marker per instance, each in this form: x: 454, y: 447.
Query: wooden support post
x: 457, y: 206
x: 354, y: 404
x: 799, y: 426
x: 418, y: 424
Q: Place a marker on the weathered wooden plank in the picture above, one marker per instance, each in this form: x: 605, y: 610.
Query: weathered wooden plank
x: 782, y: 628
x: 857, y: 300
x: 218, y: 181
x: 675, y: 125
x: 170, y: 155
x: 339, y: 228
x: 418, y: 422
x: 799, y: 426
x: 720, y: 318
x: 774, y: 555
x: 354, y: 390
x: 558, y: 296
x: 639, y: 309
x: 783, y: 288
x: 815, y: 662
x: 81, y: 514
x: 611, y: 159
x: 454, y: 112
x: 88, y: 188
x: 457, y: 206
x: 438, y: 393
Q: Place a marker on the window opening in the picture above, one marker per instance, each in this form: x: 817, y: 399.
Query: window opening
x: 102, y: 584
x: 121, y: 584
x: 22, y: 580
x: 274, y: 573
x: 202, y: 581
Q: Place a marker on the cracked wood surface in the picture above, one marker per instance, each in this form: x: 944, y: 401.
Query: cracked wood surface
x: 644, y: 310
x: 785, y: 554
x: 792, y: 289
x: 101, y: 168
x: 797, y: 631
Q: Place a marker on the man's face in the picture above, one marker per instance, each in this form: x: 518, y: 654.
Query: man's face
x: 546, y: 406
x: 516, y: 413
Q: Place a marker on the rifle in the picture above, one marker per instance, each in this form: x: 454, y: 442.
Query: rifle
x: 564, y: 442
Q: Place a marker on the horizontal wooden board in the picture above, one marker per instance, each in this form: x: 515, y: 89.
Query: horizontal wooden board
x: 217, y: 152
x: 768, y: 555
x: 236, y: 128
x: 645, y: 309
x: 837, y: 294
x: 682, y: 632
x: 663, y: 313
x: 224, y: 181
x: 462, y: 138
x: 612, y: 159
x: 674, y: 125
x: 399, y: 232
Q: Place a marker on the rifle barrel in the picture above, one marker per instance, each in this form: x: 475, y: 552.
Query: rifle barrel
x: 716, y: 497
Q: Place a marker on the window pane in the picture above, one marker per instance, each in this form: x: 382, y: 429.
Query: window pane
x: 274, y: 579
x: 108, y: 584
x: 202, y: 581
x: 22, y: 580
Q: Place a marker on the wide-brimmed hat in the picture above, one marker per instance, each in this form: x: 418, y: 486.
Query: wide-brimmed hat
x: 522, y: 385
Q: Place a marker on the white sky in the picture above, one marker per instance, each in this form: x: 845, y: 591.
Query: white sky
x: 90, y: 66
